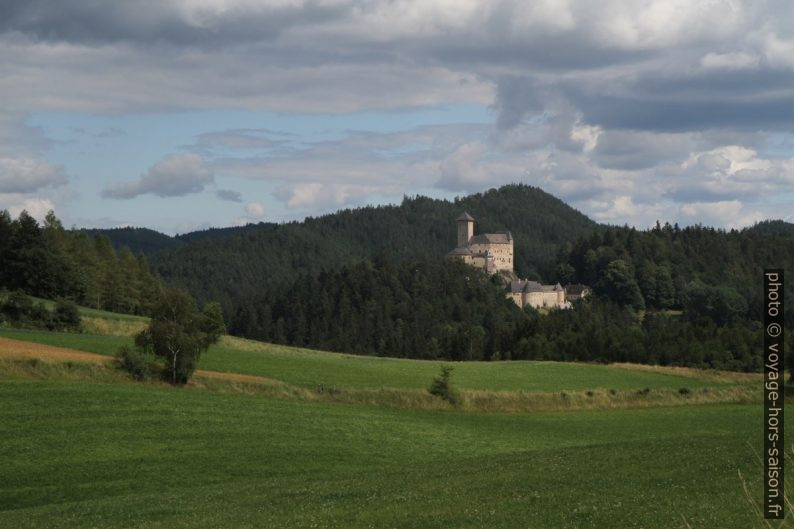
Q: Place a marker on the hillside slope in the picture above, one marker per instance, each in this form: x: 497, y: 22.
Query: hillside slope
x: 252, y: 258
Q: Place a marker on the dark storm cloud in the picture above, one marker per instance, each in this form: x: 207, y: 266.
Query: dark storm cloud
x: 516, y: 97
x: 621, y: 66
x: 687, y: 115
x: 145, y: 21
x: 634, y: 150
x: 688, y: 100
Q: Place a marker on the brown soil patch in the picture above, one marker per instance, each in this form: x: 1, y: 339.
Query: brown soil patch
x: 18, y: 349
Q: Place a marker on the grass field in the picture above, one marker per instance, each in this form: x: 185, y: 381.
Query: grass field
x: 309, y: 368
x: 95, y: 313
x: 83, y: 446
x: 104, y: 455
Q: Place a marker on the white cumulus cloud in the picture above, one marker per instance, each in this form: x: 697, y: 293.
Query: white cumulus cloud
x: 28, y: 175
x: 36, y: 207
x: 173, y: 176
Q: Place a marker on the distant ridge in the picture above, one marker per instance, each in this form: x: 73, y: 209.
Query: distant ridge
x: 773, y: 227
x: 138, y: 240
x: 148, y: 241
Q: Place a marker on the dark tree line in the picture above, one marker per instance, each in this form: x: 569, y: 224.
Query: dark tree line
x: 417, y: 309
x: 600, y: 330
x: 687, y: 296
x: 51, y: 262
x: 708, y: 273
x: 449, y: 310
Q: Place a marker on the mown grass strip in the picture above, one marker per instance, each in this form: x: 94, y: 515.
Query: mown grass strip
x: 309, y: 368
x: 471, y: 400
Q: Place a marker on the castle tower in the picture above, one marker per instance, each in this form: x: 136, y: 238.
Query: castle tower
x: 465, y: 229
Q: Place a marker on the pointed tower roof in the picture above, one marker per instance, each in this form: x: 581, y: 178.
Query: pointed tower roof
x: 465, y: 216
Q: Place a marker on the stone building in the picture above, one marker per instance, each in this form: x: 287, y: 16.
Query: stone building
x: 524, y: 292
x: 491, y: 251
x: 575, y: 292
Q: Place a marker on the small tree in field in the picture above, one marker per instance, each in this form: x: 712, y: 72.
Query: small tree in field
x: 214, y: 325
x: 442, y: 387
x: 179, y: 333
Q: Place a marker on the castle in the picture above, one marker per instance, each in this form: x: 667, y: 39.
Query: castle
x: 493, y: 252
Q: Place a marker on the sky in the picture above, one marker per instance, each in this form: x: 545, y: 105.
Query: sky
x: 185, y: 114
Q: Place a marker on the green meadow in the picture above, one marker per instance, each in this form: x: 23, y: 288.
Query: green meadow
x: 309, y: 368
x: 125, y: 455
x: 95, y: 313
x: 87, y: 447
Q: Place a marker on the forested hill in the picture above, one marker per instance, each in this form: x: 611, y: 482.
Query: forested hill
x: 149, y: 242
x: 773, y: 227
x: 137, y: 240
x: 255, y: 258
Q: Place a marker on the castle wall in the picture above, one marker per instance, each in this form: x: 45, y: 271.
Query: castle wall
x: 502, y: 254
x: 517, y: 298
x: 541, y: 299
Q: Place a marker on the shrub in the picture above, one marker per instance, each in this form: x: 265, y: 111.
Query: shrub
x: 18, y: 310
x: 66, y: 315
x: 17, y: 307
x: 39, y: 316
x: 684, y: 391
x: 442, y: 387
x: 134, y: 362
x: 329, y: 390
